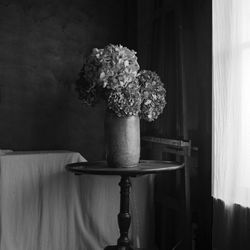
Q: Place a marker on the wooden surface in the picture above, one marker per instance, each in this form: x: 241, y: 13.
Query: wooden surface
x: 144, y: 167
x: 166, y: 141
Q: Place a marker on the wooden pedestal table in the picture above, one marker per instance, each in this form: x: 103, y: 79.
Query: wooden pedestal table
x: 143, y: 168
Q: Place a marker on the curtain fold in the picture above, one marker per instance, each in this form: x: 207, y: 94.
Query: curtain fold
x: 231, y: 124
x: 231, y: 227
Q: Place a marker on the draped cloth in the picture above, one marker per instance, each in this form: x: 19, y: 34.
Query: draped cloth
x: 44, y: 207
x: 231, y: 124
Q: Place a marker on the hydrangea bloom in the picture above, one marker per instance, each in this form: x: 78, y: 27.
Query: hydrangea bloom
x: 87, y: 85
x: 92, y: 66
x: 152, y: 95
x: 112, y: 74
x: 125, y: 101
x: 119, y: 67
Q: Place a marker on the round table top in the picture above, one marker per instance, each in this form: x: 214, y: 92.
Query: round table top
x: 144, y: 167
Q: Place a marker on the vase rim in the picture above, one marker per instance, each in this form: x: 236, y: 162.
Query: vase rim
x: 110, y: 113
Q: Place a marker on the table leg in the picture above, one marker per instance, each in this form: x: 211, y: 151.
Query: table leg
x: 124, y: 217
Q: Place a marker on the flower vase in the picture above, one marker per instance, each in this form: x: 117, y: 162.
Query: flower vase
x: 122, y: 139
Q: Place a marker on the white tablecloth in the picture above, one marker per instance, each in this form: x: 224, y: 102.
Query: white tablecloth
x: 44, y: 207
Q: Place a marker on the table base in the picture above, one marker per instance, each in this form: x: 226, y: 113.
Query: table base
x: 143, y: 168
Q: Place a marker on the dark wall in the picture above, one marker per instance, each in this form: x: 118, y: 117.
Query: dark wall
x: 42, y: 44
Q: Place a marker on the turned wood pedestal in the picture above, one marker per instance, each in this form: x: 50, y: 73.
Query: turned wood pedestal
x: 143, y: 168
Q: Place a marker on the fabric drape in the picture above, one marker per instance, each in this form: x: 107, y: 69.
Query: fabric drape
x: 44, y: 207
x: 231, y: 123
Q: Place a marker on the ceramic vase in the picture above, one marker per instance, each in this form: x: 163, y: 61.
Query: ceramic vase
x: 122, y: 140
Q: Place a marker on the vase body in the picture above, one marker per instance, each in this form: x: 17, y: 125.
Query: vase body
x: 122, y: 139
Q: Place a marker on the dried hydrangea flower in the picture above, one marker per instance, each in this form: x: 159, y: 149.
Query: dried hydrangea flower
x: 88, y: 83
x: 125, y: 101
x: 152, y: 94
x: 112, y: 74
x: 119, y: 67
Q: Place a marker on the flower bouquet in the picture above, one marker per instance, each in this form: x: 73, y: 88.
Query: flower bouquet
x: 112, y: 74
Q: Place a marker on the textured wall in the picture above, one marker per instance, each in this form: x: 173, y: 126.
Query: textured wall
x: 41, y: 48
